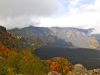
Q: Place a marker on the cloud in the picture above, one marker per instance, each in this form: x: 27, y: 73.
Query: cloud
x: 50, y: 13
x: 74, y: 2
x: 19, y: 13
x: 15, y: 8
x: 96, y: 28
x: 81, y: 14
x: 75, y: 20
x: 94, y: 6
x: 22, y: 21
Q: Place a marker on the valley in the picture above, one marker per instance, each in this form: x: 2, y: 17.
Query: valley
x: 49, y: 37
x: 50, y: 49
x: 90, y: 58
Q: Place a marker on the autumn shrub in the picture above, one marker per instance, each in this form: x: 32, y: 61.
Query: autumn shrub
x: 25, y: 63
x: 59, y: 64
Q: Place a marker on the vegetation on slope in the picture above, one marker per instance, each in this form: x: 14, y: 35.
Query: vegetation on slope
x: 93, y: 43
x: 11, y: 41
x: 56, y: 36
x: 15, y: 62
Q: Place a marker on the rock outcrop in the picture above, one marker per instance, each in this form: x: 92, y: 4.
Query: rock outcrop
x: 78, y: 69
x: 2, y: 29
x: 54, y: 73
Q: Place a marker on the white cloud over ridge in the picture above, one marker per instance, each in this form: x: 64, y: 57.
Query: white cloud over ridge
x: 14, y: 8
x: 19, y: 13
x: 80, y: 15
x: 50, y: 13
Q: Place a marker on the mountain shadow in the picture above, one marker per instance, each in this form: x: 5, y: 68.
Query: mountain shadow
x: 90, y: 58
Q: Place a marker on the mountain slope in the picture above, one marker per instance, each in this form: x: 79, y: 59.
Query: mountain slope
x: 56, y: 36
x: 11, y: 41
x: 97, y: 36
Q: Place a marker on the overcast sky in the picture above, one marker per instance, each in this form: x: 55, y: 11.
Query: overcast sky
x: 50, y: 13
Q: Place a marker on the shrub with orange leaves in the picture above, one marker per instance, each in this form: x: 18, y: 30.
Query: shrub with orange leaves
x: 53, y: 67
x: 67, y: 68
x: 62, y: 58
x: 59, y: 64
x: 5, y: 51
x: 48, y: 62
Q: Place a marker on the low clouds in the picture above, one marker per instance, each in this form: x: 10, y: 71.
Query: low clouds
x: 87, y: 20
x: 20, y: 13
x: 96, y: 28
x: 48, y: 13
x: 22, y: 21
x: 81, y: 14
x: 13, y: 8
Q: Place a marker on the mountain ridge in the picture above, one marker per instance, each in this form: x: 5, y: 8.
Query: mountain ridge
x: 56, y: 44
x: 11, y: 41
x: 71, y: 37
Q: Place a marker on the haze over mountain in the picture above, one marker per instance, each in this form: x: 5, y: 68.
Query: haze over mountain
x: 52, y: 36
x: 57, y: 30
x: 60, y: 13
x: 72, y: 43
x: 57, y: 36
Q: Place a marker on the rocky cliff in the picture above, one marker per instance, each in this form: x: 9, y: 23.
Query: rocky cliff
x: 57, y: 36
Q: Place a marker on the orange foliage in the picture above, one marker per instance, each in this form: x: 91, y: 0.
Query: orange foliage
x: 62, y: 58
x: 5, y: 51
x: 67, y: 68
x: 48, y: 62
x: 0, y: 45
x: 59, y: 64
x: 53, y: 67
x: 55, y: 59
x: 70, y: 67
x: 58, y: 67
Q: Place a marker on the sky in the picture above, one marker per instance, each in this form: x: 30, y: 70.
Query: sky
x: 50, y: 13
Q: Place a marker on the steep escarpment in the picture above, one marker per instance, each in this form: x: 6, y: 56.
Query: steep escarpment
x: 56, y: 36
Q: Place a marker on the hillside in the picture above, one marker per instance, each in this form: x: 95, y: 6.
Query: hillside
x: 12, y: 41
x: 23, y: 62
x: 58, y: 49
x: 56, y: 36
